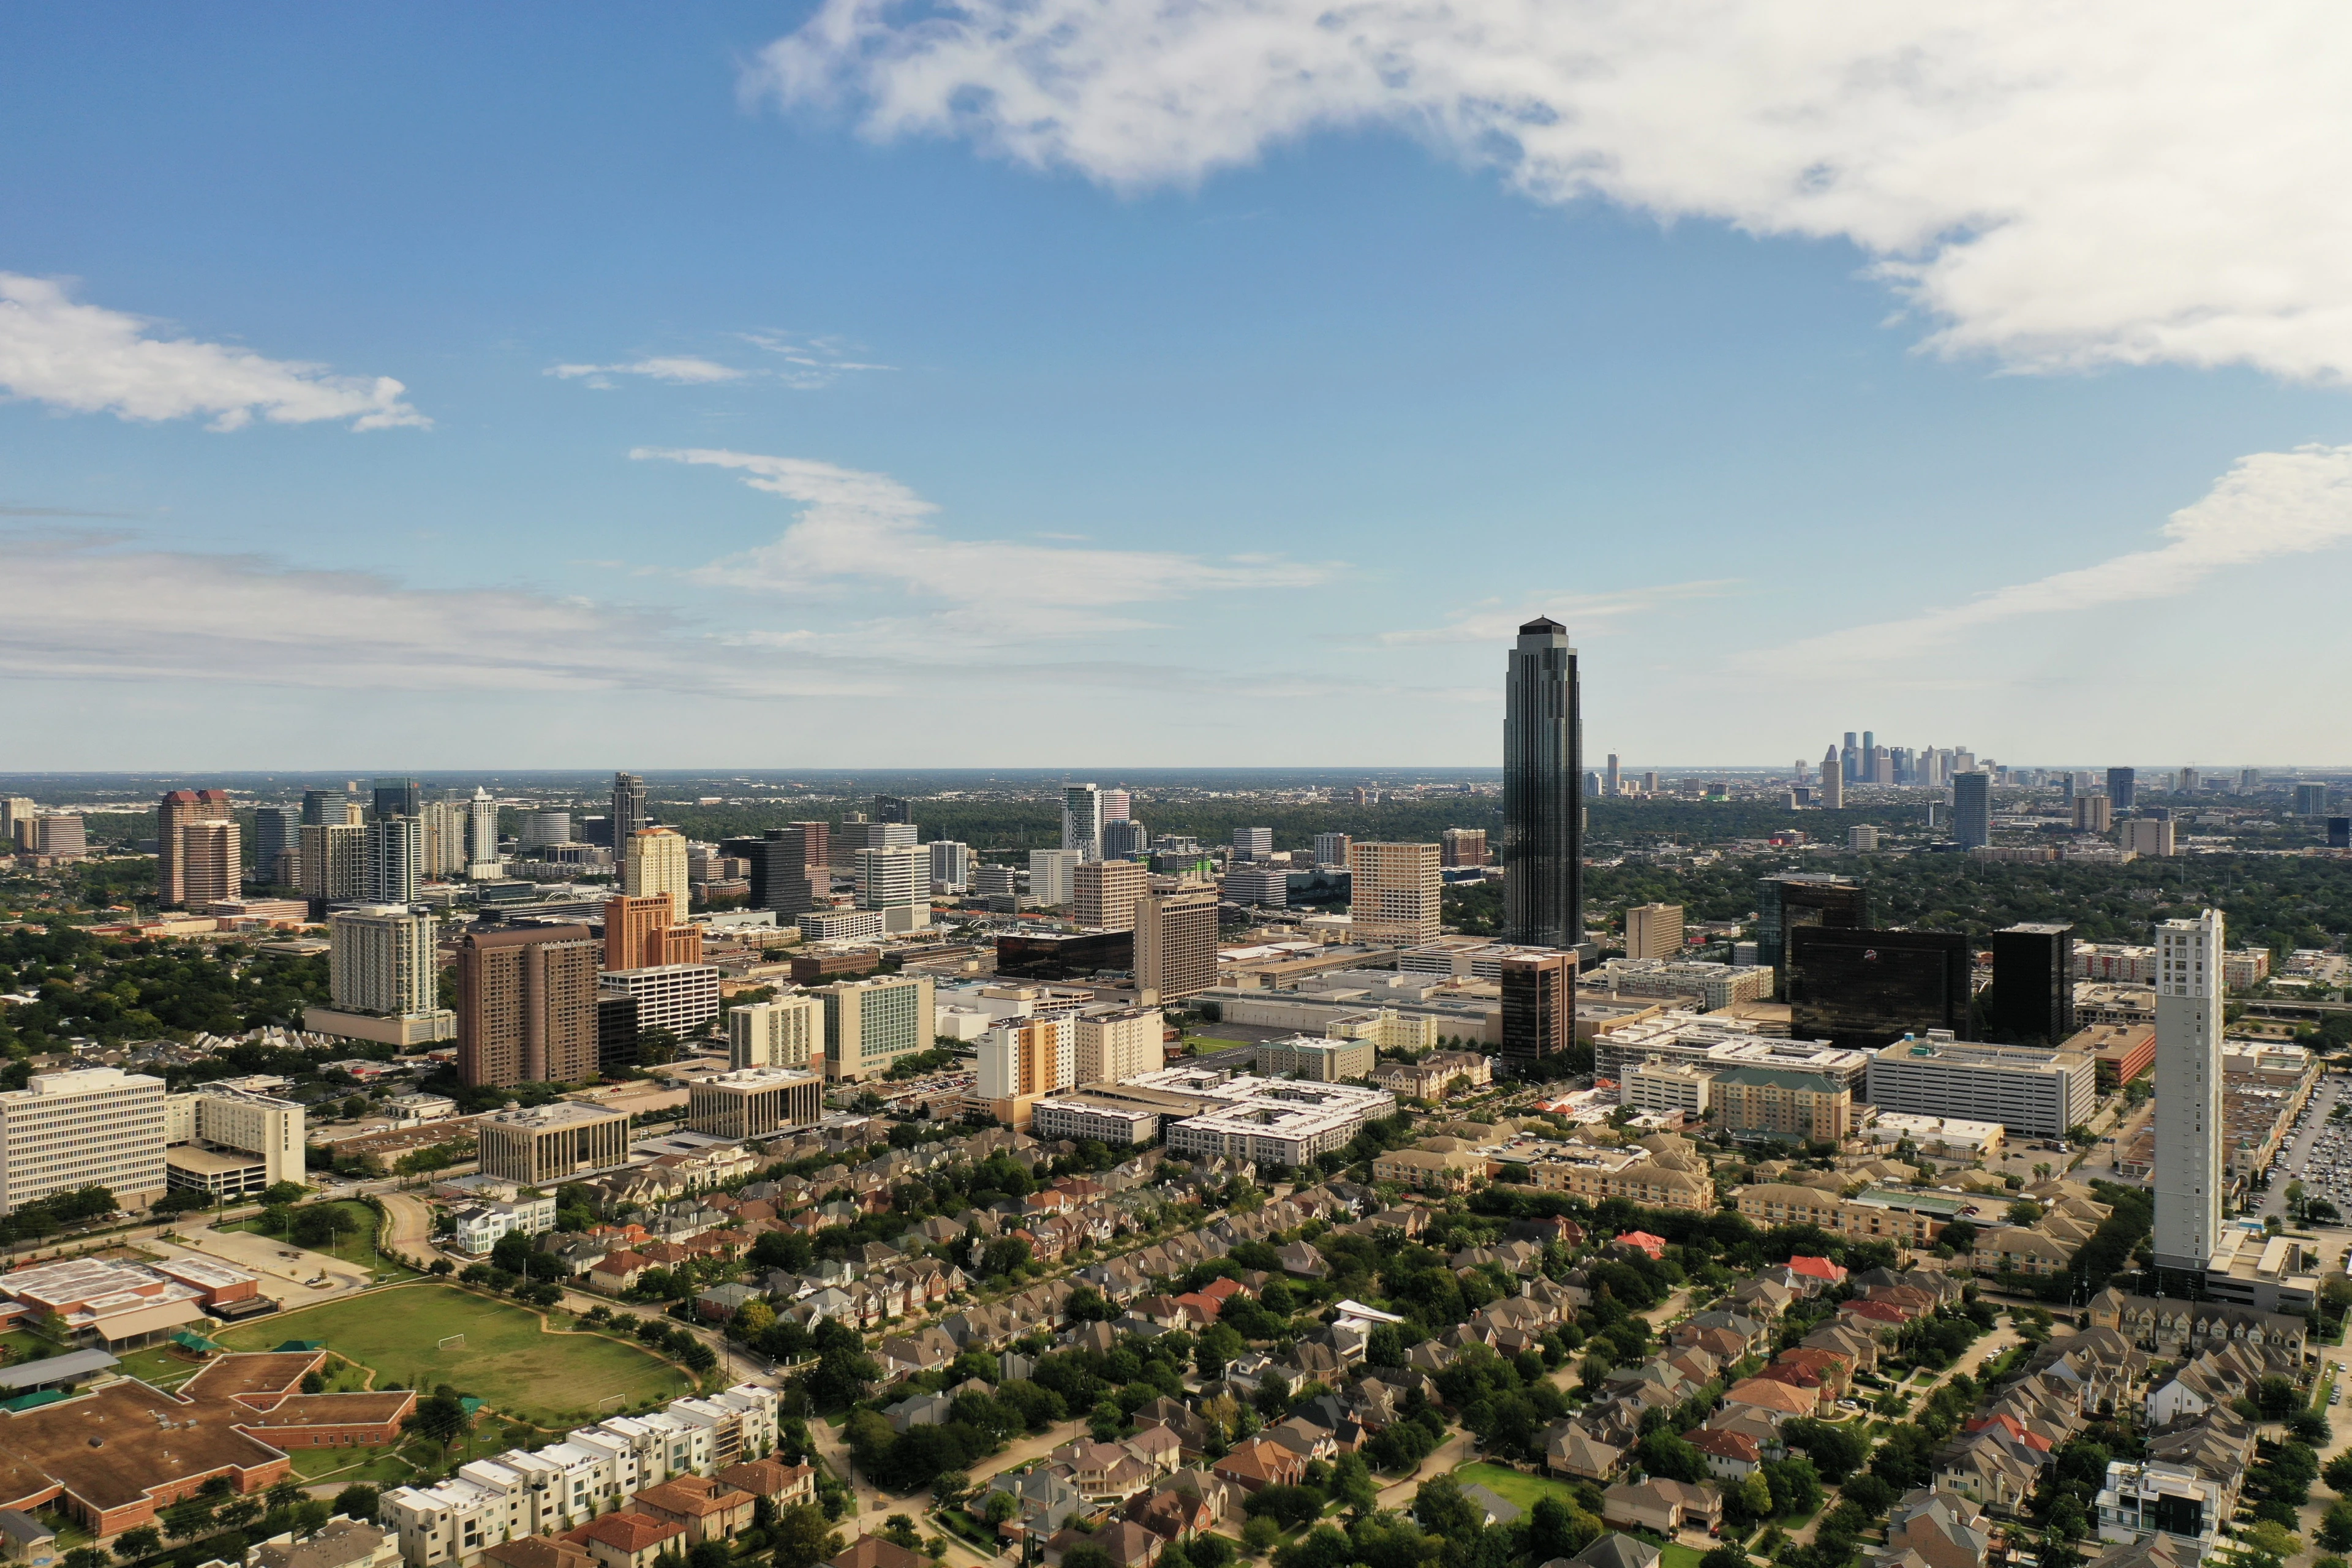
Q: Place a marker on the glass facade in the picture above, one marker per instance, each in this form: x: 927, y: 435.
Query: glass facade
x: 1539, y: 1005
x: 1860, y: 990
x: 1543, y: 791
x: 1058, y: 955
x: 2032, y: 1002
x: 1784, y: 903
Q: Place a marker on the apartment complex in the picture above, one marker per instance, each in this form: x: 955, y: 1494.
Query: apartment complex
x: 1460, y: 847
x: 786, y: 1032
x: 382, y: 960
x: 2192, y: 1175
x: 1175, y: 945
x: 654, y: 861
x: 527, y: 1006
x: 642, y: 931
x: 334, y: 860
x: 89, y: 1127
x: 2038, y: 1093
x: 198, y: 856
x: 1269, y: 1121
x: 755, y: 1102
x: 547, y: 1145
x: 1322, y: 1060
x: 1759, y: 1102
x: 1114, y: 1047
x: 1023, y: 1059
x: 1396, y: 892
x: 870, y: 1024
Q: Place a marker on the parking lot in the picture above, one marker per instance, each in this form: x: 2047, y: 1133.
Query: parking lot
x: 2318, y: 1154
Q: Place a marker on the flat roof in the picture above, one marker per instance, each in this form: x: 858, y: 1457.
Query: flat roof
x: 56, y: 1369
x: 211, y: 1162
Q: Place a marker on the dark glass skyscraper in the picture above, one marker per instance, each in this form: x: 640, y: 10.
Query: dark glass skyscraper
x: 1798, y: 899
x: 398, y: 797
x: 1860, y: 990
x: 1543, y: 790
x: 891, y: 808
x: 2123, y: 784
x: 2032, y: 1002
x: 628, y: 810
x: 1971, y: 809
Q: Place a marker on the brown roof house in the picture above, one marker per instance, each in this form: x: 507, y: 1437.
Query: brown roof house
x: 709, y: 1510
x: 1130, y: 1544
x: 780, y: 1483
x: 628, y: 1540
x: 1662, y: 1505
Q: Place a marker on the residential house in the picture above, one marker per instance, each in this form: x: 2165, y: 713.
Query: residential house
x: 1662, y: 1505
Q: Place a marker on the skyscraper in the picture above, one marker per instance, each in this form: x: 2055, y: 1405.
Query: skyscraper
x: 628, y: 807
x: 1861, y: 989
x: 189, y: 857
x: 398, y: 797
x: 1832, y: 782
x: 1124, y: 839
x: 1053, y: 877
x: 1253, y: 843
x: 1082, y: 820
x: 952, y: 863
x: 445, y: 837
x: 482, y: 860
x: 381, y: 961
x: 788, y: 1032
x: 1849, y: 759
x: 891, y: 808
x: 2310, y: 800
x: 392, y: 860
x: 322, y: 806
x: 1396, y: 892
x: 894, y: 879
x: 1802, y: 898
x: 1460, y: 846
x: 1543, y: 790
x: 1971, y: 809
x: 1175, y: 945
x: 527, y: 1006
x: 2032, y: 1002
x: 1118, y: 806
x: 1653, y: 931
x: 2123, y: 788
x: 1330, y: 850
x: 655, y: 863
x: 334, y: 860
x: 780, y: 879
x: 1104, y: 893
x: 1539, y: 1005
x: 2189, y: 1173
x: 644, y: 933
x: 276, y: 829
x: 1608, y: 779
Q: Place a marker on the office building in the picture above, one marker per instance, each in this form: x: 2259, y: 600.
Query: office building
x: 1971, y: 809
x: 1330, y: 850
x: 1611, y: 783
x: 1253, y: 843
x: 392, y: 860
x: 1124, y: 839
x: 381, y: 961
x: 527, y: 1006
x: 845, y: 925
x: 334, y: 861
x: 1118, y: 806
x: 859, y: 834
x: 2190, y: 1171
x: 655, y: 863
x: 628, y: 808
x: 1114, y: 1047
x: 816, y: 852
x: 1777, y: 1104
x: 680, y: 998
x: 1104, y: 893
x: 1539, y: 1005
x: 1082, y: 821
x: 275, y: 830
x: 616, y: 1032
x: 1718, y: 1047
x: 1175, y: 945
x: 2123, y: 789
x: 322, y: 806
x: 1262, y: 887
x: 1860, y: 989
x: 1053, y: 877
x: 645, y: 933
x: 1396, y: 892
x: 548, y: 1145
x: 397, y: 797
x: 951, y: 864
x: 1064, y: 954
x: 237, y: 1143
x: 2032, y: 1092
x: 2031, y: 1001
x: 2151, y: 838
x: 1462, y: 847
x: 2185, y: 782
x: 787, y: 1031
x: 2339, y: 833
x: 62, y: 835
x: 870, y: 1024
x: 892, y: 808
x: 2093, y: 813
x: 1543, y: 791
x: 1862, y: 838
x: 198, y: 855
x: 895, y: 879
x: 92, y: 1127
x: 755, y: 1102
x: 780, y: 870
x: 445, y: 837
x: 1653, y: 931
x: 483, y: 862
x: 1804, y: 899
x: 2310, y: 800
x: 16, y: 814
x: 1832, y: 782
x: 540, y: 828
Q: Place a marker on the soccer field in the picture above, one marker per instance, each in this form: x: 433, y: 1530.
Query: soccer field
x: 505, y: 1360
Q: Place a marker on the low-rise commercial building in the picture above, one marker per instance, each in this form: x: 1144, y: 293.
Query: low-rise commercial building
x: 547, y: 1145
x: 2039, y: 1093
x: 1719, y: 1044
x: 1270, y: 1121
x: 2120, y: 1052
x: 1120, y: 1126
x: 1662, y: 1087
x: 1716, y: 985
x: 755, y: 1102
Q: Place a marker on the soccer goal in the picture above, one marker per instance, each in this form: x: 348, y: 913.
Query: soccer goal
x: 451, y: 1341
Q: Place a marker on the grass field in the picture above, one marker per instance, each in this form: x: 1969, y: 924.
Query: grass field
x: 550, y: 1380
x: 1514, y: 1486
x: 356, y: 1247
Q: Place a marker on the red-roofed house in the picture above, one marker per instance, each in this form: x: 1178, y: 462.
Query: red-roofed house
x: 1729, y: 1455
x: 1222, y: 1290
x: 2017, y: 1430
x: 1886, y: 1313
x: 628, y: 1540
x: 1643, y: 1241
x: 1820, y: 1269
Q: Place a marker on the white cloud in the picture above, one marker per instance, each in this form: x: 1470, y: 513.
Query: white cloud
x: 96, y: 361
x: 2065, y: 187
x: 863, y: 526
x: 2268, y: 505
x: 680, y: 369
x: 1492, y: 621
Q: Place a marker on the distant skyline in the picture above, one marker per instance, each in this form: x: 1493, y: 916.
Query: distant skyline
x: 728, y: 384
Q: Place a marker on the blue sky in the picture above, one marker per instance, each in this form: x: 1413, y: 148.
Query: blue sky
x: 1050, y: 384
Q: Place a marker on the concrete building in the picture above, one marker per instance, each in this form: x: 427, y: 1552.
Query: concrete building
x: 547, y: 1145
x: 61, y: 835
x: 196, y: 862
x: 1175, y: 945
x: 384, y: 960
x: 2093, y: 813
x: 895, y: 878
x: 334, y: 860
x: 870, y: 1024
x: 527, y: 1006
x: 1120, y: 1126
x: 1023, y: 1059
x: 1653, y: 931
x: 1272, y: 1122
x: 2189, y: 1171
x: 238, y: 1142
x: 1862, y: 838
x: 785, y: 1032
x: 1458, y: 848
x: 1714, y: 986
x: 1761, y: 1102
x: 392, y: 860
x: 483, y: 862
x: 1082, y: 820
x: 1116, y: 1046
x: 1396, y: 892
x: 951, y: 865
x: 2142, y: 836
x: 540, y: 828
x: 1103, y: 894
x: 679, y: 997
x: 89, y: 1127
x: 1053, y: 877
x: 1971, y: 809
x: 755, y: 1102
x: 1260, y: 887
x: 445, y: 837
x: 2039, y: 1093
x: 655, y: 863
x: 643, y: 932
x: 1326, y: 1060
x: 1253, y: 843
x: 1330, y: 850
x: 1718, y: 1046
x: 1662, y: 1087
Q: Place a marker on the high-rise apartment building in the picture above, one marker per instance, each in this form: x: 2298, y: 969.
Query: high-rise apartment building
x: 1103, y: 894
x: 2149, y: 837
x: 1330, y: 850
x: 334, y: 861
x: 1396, y: 892
x: 655, y: 863
x: 1859, y: 989
x: 1861, y: 837
x: 645, y: 933
x: 785, y: 1032
x: 870, y: 1024
x: 1175, y: 945
x: 1538, y: 1005
x: 1543, y: 791
x: 527, y: 1006
x: 1124, y: 839
x: 2185, y: 781
x: 194, y: 863
x: 1053, y: 877
x: 16, y: 814
x: 1653, y: 931
x: 2123, y: 788
x: 894, y: 879
x: 1022, y: 1058
x: 381, y: 961
x: 2032, y: 1002
x: 392, y: 869
x: 61, y: 834
x: 1461, y: 847
x: 323, y: 807
x: 2093, y: 813
x: 628, y: 808
x: 950, y: 865
x: 1971, y: 809
x: 398, y: 797
x: 2310, y: 800
x: 482, y: 859
x: 445, y: 837
x: 277, y: 829
x: 1832, y: 782
x: 90, y: 1127
x: 1114, y: 1047
x: 2190, y: 1170
x: 1082, y: 820
x: 1118, y: 806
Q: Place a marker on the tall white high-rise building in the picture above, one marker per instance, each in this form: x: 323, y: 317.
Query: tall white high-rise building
x: 91, y: 1127
x: 445, y: 837
x: 950, y: 865
x: 1053, y: 876
x: 787, y: 1032
x: 893, y: 879
x: 394, y: 860
x: 655, y: 863
x: 2189, y: 1168
x: 381, y: 961
x: 482, y: 835
x: 1118, y: 804
x: 1253, y: 843
x: 1082, y: 820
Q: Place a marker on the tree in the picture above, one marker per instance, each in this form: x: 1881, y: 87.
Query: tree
x: 804, y: 1537
x: 1662, y: 1453
x: 2334, y: 1531
x: 710, y: 1554
x: 1836, y: 1451
x: 1260, y: 1533
x: 441, y: 1418
x: 1795, y: 1484
x: 1440, y: 1508
x: 356, y: 1502
x: 288, y: 1492
x: 145, y: 1540
x: 1000, y: 1506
